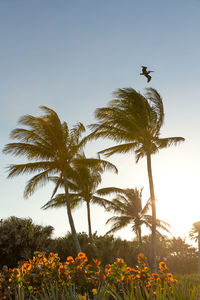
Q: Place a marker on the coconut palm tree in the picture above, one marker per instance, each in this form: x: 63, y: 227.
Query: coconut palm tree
x: 194, y: 234
x: 127, y: 209
x: 84, y: 186
x: 51, y: 148
x: 134, y: 121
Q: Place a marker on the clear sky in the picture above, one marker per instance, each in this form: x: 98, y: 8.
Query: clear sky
x: 71, y: 56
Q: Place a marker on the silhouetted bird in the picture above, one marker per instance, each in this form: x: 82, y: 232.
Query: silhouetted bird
x: 146, y: 73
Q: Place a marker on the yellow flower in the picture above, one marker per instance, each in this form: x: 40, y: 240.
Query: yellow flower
x: 94, y: 291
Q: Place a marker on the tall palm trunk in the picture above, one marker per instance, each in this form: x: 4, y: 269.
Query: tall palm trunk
x: 89, y: 219
x: 153, y: 208
x: 139, y: 234
x: 199, y: 253
x: 71, y: 221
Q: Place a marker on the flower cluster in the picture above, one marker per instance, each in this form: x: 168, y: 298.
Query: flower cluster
x: 120, y: 276
x: 33, y: 275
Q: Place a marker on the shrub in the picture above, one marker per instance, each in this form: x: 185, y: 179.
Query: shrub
x: 34, y: 275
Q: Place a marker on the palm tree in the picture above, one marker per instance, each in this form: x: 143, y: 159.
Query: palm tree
x: 194, y: 234
x: 135, y: 120
x: 51, y: 148
x: 127, y: 207
x: 83, y: 186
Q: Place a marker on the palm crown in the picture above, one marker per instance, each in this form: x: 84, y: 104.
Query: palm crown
x: 194, y: 233
x: 83, y: 185
x: 127, y: 207
x: 135, y: 120
x: 47, y: 141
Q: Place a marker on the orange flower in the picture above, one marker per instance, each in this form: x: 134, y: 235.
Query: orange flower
x: 17, y: 272
x: 108, y: 268
x: 154, y: 276
x: 70, y: 259
x: 162, y: 265
x: 97, y: 262
x: 119, y: 260
x: 140, y: 256
x: 169, y: 275
x: 81, y: 254
x: 148, y: 285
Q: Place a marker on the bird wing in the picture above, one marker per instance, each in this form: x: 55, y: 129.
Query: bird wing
x: 148, y: 78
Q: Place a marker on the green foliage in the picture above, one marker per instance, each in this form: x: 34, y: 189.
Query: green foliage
x: 105, y: 248
x: 187, y: 288
x: 180, y: 257
x: 19, y: 238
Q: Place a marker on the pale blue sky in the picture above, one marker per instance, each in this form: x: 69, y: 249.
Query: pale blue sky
x: 71, y: 56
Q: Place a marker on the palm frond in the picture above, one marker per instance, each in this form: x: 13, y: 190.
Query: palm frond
x: 99, y: 201
x: 167, y: 142
x: 28, y: 150
x: 146, y: 207
x: 59, y: 182
x: 194, y: 233
x: 29, y: 168
x: 35, y: 182
x: 60, y: 201
x: 118, y: 223
x: 76, y: 131
x: 155, y: 98
x: 124, y: 148
x: 159, y: 223
x: 108, y: 191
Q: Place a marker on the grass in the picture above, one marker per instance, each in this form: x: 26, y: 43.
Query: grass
x: 187, y: 288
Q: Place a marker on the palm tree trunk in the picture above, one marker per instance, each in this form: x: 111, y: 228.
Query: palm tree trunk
x: 153, y: 208
x: 140, y: 238
x: 199, y: 253
x: 89, y: 220
x: 71, y: 221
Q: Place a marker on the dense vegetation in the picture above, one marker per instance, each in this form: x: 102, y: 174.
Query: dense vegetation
x: 34, y: 275
x: 47, y: 277
x: 20, y: 238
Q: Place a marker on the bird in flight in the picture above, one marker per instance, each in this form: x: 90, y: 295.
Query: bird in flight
x: 146, y: 73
